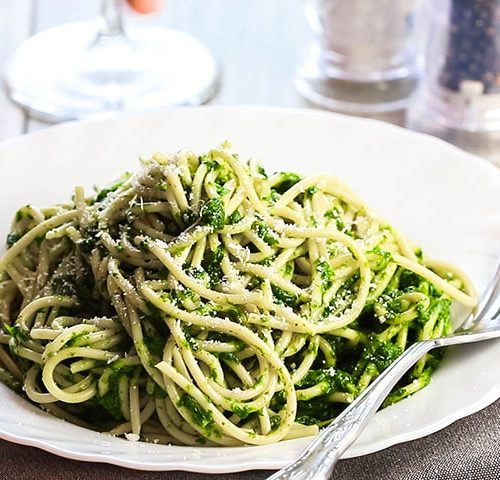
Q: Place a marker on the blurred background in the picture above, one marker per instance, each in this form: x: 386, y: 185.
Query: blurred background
x: 257, y: 44
x: 429, y: 65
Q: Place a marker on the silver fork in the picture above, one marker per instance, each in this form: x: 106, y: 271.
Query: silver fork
x: 319, y: 459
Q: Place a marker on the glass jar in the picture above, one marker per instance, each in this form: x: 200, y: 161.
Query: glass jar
x: 362, y: 59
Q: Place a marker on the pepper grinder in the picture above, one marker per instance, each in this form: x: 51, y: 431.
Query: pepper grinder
x: 458, y: 98
x: 362, y: 58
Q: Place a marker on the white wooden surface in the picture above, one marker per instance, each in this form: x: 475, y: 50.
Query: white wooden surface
x: 258, y: 59
x: 15, y: 26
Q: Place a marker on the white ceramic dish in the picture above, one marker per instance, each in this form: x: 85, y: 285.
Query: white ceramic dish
x: 445, y: 200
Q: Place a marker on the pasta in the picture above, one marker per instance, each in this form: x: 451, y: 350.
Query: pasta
x: 203, y: 301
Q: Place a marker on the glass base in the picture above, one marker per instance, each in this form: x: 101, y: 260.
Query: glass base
x: 358, y: 97
x: 65, y: 73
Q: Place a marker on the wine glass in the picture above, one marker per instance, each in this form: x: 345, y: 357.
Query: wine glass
x: 81, y: 69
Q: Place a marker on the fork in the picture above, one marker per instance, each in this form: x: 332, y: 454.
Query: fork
x: 319, y: 459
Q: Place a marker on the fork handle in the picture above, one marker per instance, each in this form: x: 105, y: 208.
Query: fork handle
x: 320, y: 458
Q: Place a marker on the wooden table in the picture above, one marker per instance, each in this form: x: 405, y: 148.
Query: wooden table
x: 258, y: 43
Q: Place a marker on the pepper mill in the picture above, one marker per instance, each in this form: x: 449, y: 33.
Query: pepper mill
x: 458, y: 98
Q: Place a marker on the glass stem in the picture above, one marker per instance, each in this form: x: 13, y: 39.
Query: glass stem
x: 111, y: 21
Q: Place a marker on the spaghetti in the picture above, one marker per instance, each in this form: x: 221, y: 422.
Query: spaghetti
x: 202, y: 301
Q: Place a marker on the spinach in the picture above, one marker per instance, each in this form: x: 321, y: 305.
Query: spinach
x: 378, y: 259
x: 263, y: 230
x: 330, y: 380
x: 12, y: 238
x: 381, y: 354
x: 102, y: 194
x: 16, y: 332
x: 310, y: 191
x: 212, y: 213
x: 110, y: 398
x: 203, y: 418
x: 335, y: 213
x: 235, y: 217
x: 284, y: 297
x: 326, y: 274
x: 90, y: 238
x: 286, y: 181
x: 211, y: 265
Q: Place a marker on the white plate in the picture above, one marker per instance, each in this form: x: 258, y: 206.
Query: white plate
x: 445, y: 200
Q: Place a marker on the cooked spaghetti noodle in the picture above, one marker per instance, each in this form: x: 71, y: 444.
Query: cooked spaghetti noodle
x: 203, y: 301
